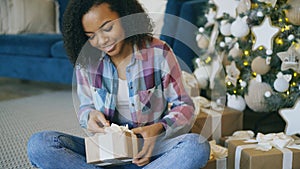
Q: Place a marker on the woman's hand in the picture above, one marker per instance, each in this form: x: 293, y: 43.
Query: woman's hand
x: 149, y: 134
x: 96, y: 122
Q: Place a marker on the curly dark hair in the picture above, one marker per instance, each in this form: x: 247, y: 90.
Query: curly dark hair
x: 75, y: 38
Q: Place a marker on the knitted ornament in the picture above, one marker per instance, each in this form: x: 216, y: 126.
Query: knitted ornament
x: 255, y: 97
x: 293, y: 14
x: 260, y: 66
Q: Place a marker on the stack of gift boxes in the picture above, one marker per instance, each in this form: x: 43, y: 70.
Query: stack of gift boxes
x: 224, y: 126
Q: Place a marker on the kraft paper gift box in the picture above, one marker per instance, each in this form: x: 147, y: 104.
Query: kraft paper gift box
x: 216, y: 164
x: 111, y: 148
x: 214, y: 124
x: 250, y: 158
x: 218, y: 157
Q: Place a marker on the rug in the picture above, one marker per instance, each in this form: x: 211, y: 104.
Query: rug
x: 20, y: 118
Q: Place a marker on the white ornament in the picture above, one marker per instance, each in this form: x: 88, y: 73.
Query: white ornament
x: 222, y: 44
x: 269, y: 52
x: 239, y: 28
x: 264, y: 34
x: 236, y: 102
x: 243, y: 83
x: 290, y: 59
x: 291, y: 117
x: 201, y: 29
x: 202, y: 74
x: 260, y: 14
x: 281, y: 84
x: 291, y: 37
x: 228, y: 6
x: 210, y: 17
x: 268, y: 94
x: 225, y: 28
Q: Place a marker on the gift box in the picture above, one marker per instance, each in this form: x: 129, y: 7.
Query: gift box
x: 244, y: 155
x: 216, y: 164
x: 111, y: 148
x: 214, y: 124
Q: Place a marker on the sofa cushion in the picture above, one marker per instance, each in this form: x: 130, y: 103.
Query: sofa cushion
x: 30, y: 16
x: 58, y: 50
x: 38, y: 45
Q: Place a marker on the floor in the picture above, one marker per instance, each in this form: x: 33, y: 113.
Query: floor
x: 15, y: 88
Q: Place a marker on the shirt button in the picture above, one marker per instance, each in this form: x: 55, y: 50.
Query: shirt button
x: 132, y: 104
x: 131, y: 87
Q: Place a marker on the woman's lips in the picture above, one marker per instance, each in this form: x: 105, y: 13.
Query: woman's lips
x: 109, y: 48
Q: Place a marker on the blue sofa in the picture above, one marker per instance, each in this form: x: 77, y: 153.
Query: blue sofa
x: 41, y: 57
x: 36, y: 57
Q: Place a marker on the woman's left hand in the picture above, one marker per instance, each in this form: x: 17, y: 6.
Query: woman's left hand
x: 149, y: 134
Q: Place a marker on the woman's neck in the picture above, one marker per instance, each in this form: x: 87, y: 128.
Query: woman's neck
x: 124, y: 56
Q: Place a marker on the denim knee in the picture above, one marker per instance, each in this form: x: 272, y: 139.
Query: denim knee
x: 39, y: 142
x: 198, y: 146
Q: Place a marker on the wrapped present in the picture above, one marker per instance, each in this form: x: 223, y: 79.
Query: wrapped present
x: 218, y: 157
x: 237, y: 135
x: 190, y: 84
x: 117, y: 145
x: 276, y: 151
x: 213, y: 121
x: 216, y: 164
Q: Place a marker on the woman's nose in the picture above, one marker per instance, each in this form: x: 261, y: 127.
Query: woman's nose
x: 101, y: 39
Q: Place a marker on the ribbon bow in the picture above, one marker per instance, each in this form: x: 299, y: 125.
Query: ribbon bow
x: 277, y: 140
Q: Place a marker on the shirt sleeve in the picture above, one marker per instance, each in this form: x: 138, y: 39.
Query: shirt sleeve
x: 84, y: 95
x: 179, y: 119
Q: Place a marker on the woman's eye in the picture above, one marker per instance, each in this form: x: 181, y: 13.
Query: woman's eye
x: 107, y: 29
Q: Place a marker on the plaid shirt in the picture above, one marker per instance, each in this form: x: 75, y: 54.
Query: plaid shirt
x: 154, y: 82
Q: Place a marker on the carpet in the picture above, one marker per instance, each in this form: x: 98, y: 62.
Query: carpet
x: 20, y: 118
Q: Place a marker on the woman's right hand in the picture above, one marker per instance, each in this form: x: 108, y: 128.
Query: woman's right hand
x: 96, y: 122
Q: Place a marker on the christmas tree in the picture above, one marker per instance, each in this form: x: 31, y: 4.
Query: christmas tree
x: 257, y: 44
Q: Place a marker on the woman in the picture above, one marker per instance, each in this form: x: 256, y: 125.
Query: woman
x: 124, y: 76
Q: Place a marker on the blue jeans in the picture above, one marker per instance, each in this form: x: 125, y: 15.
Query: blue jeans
x: 51, y: 150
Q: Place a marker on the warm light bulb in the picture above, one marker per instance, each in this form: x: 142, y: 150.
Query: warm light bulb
x: 208, y: 59
x: 295, y: 74
x: 279, y: 41
x: 234, y: 91
x: 286, y: 27
x: 286, y: 19
x: 254, y: 74
x: 261, y: 48
x: 294, y: 84
x: 254, y: 5
x: 228, y: 83
x: 246, y: 63
x: 288, y: 92
x: 246, y: 52
x: 280, y: 19
x: 282, y: 29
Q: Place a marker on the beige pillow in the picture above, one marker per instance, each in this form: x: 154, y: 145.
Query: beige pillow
x: 3, y: 16
x: 32, y: 16
x: 156, y: 10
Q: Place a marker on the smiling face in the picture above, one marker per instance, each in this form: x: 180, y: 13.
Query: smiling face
x: 104, y: 29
